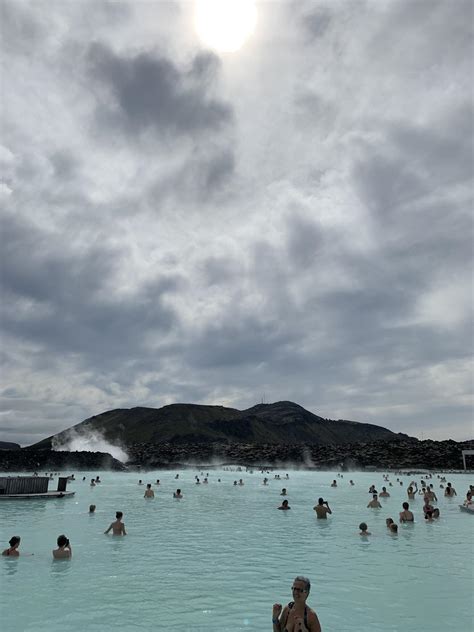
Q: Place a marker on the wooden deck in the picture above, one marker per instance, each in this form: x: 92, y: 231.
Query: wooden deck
x: 40, y: 495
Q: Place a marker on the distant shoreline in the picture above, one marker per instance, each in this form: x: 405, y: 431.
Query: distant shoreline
x: 381, y: 455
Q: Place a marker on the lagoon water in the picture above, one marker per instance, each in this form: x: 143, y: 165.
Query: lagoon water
x: 218, y: 559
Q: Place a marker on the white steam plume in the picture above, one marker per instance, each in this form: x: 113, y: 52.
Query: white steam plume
x: 89, y: 441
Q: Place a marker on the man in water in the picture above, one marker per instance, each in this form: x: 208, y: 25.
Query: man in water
x: 117, y: 527
x: 374, y: 503
x: 149, y: 493
x: 450, y: 491
x: 384, y: 493
x: 406, y: 515
x: 177, y: 494
x: 322, y: 509
x: 91, y: 509
x: 283, y: 492
x: 284, y: 505
x: 296, y: 616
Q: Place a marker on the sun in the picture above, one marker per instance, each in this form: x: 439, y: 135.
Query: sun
x: 225, y: 25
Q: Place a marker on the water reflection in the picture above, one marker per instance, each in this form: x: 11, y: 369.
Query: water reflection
x: 60, y: 567
x: 11, y: 565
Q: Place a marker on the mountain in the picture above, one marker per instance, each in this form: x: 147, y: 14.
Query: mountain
x: 281, y: 422
x: 7, y: 445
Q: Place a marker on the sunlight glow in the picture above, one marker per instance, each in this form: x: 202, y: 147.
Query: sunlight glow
x: 225, y: 25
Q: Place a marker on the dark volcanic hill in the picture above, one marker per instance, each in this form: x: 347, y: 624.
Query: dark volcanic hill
x: 281, y: 422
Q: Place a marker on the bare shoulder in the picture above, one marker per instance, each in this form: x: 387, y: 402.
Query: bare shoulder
x: 313, y: 621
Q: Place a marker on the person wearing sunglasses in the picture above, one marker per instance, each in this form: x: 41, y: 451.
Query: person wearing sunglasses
x: 296, y: 616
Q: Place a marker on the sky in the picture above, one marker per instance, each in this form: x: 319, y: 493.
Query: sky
x: 288, y: 221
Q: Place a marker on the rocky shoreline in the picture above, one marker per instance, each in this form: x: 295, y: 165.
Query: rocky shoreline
x: 395, y: 455
x: 48, y: 460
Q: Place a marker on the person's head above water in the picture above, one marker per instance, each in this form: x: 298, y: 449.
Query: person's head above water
x: 62, y: 540
x: 405, y: 506
x: 148, y: 485
x: 301, y: 586
x: 389, y: 521
x: 91, y: 508
x: 394, y: 527
x: 14, y: 541
x: 320, y: 501
x: 363, y: 526
x: 119, y: 515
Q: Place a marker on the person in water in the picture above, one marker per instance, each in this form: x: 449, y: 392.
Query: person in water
x: 91, y: 509
x: 374, y: 503
x: 117, y: 527
x: 283, y: 492
x: 12, y: 550
x: 384, y: 493
x: 363, y: 529
x: 322, y: 509
x: 388, y: 522
x: 406, y: 515
x: 393, y: 528
x: 296, y: 616
x: 149, y: 493
x: 177, y: 494
x: 64, y: 550
x: 450, y: 491
x: 284, y: 505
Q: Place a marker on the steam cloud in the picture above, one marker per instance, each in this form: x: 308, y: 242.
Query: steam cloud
x: 87, y: 442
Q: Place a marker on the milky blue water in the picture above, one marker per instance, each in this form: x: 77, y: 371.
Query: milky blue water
x: 217, y: 560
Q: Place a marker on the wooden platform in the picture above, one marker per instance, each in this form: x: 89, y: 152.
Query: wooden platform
x: 40, y: 495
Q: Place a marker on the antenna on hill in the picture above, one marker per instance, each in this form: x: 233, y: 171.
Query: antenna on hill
x: 263, y: 397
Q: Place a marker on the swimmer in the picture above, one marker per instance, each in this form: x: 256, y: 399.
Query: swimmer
x: 334, y: 484
x: 117, y: 527
x: 177, y: 494
x: 468, y: 501
x: 393, y: 527
x: 176, y: 477
x: 157, y: 481
x: 351, y: 482
x: 283, y: 492
x: 388, y: 522
x: 12, y: 550
x: 284, y: 505
x: 198, y: 482
x: 363, y: 529
x: 64, y: 550
x: 296, y: 616
x: 149, y: 493
x: 384, y: 493
x: 427, y: 508
x: 241, y: 482
x: 97, y: 479
x: 140, y: 482
x: 235, y: 483
x: 91, y: 509
x: 374, y: 503
x: 411, y: 491
x: 406, y: 515
x: 92, y: 483
x: 322, y: 509
x: 450, y: 491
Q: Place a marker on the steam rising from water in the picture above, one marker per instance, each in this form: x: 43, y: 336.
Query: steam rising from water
x: 87, y: 442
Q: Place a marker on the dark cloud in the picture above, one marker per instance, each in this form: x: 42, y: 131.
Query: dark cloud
x: 148, y: 92
x: 71, y: 302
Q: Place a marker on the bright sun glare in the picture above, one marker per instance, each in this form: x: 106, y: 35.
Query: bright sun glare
x: 225, y: 24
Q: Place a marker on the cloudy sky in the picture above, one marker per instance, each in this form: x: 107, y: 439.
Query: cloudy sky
x: 289, y: 221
